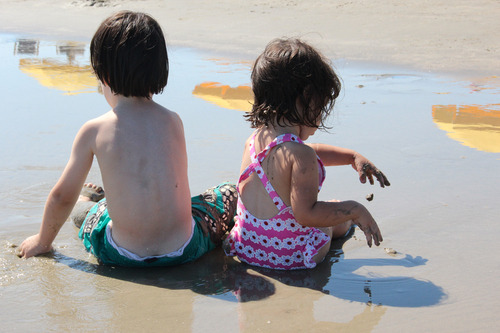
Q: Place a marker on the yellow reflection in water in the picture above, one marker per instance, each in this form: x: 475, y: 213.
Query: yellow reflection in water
x: 63, y: 72
x: 475, y: 126
x: 239, y: 98
x: 72, y: 79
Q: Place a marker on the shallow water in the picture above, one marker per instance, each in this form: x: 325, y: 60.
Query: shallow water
x: 436, y: 138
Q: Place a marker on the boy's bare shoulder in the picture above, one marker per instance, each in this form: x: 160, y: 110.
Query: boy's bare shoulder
x: 174, y: 121
x: 175, y: 116
x: 92, y: 127
x: 100, y: 120
x: 167, y: 113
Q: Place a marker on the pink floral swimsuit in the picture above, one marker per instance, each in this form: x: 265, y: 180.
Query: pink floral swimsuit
x: 279, y: 242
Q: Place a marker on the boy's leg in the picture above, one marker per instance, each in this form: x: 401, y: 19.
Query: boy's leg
x: 215, y: 209
x: 89, y: 196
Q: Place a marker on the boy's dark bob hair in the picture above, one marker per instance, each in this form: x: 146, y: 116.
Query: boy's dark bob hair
x: 128, y: 53
x: 290, y: 71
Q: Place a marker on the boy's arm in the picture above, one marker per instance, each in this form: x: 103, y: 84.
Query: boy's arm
x: 333, y: 156
x: 310, y: 212
x: 64, y: 195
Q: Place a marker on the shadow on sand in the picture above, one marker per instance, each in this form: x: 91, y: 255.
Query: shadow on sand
x: 216, y: 274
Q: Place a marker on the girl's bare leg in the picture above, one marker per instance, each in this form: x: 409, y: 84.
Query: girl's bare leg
x: 341, y: 230
x: 320, y: 256
x: 337, y: 231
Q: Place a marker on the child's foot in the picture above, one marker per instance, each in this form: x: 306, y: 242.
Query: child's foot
x: 91, y: 192
x: 89, y: 195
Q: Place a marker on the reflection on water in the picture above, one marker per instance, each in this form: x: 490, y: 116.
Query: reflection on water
x: 72, y: 79
x: 475, y: 126
x: 26, y: 46
x: 62, y: 72
x: 71, y: 50
x: 224, y: 66
x: 239, y: 98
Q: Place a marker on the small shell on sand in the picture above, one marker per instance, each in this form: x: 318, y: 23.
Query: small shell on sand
x: 390, y: 251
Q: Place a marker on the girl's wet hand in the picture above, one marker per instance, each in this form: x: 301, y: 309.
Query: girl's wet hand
x: 367, y: 169
x: 372, y: 234
x: 369, y: 227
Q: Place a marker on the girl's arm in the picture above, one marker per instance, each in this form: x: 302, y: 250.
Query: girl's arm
x: 333, y: 156
x: 310, y: 212
x: 63, y: 196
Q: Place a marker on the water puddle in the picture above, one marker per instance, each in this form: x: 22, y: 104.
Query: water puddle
x: 48, y: 91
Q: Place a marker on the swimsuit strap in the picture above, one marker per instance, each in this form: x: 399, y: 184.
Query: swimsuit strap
x: 322, y: 173
x: 288, y: 137
x: 277, y: 141
x: 257, y: 167
x: 251, y: 167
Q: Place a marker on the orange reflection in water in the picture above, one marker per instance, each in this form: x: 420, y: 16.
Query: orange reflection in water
x: 239, y: 98
x: 475, y: 126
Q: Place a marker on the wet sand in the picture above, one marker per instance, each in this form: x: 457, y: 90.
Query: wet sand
x: 399, y: 62
x: 453, y: 36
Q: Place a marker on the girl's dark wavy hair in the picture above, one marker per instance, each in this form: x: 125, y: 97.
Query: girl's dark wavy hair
x: 128, y: 52
x: 288, y: 71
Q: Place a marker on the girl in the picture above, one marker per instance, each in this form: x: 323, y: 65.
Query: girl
x: 280, y: 223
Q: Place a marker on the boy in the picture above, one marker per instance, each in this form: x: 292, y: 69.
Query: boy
x: 147, y: 217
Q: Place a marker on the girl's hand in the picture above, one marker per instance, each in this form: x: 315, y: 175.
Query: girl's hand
x: 367, y: 169
x: 32, y: 247
x: 369, y: 227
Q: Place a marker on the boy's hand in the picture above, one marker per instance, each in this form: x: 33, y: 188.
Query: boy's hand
x: 367, y: 169
x: 32, y: 247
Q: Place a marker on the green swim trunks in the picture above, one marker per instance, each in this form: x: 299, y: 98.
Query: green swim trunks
x: 213, y: 215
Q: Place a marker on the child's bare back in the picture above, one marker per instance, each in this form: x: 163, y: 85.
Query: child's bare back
x: 148, y: 217
x: 140, y: 145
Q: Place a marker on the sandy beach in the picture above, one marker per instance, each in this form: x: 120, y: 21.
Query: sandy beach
x: 421, y: 100
x: 455, y: 36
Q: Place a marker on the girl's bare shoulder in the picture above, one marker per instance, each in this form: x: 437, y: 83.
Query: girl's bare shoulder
x: 297, y: 150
